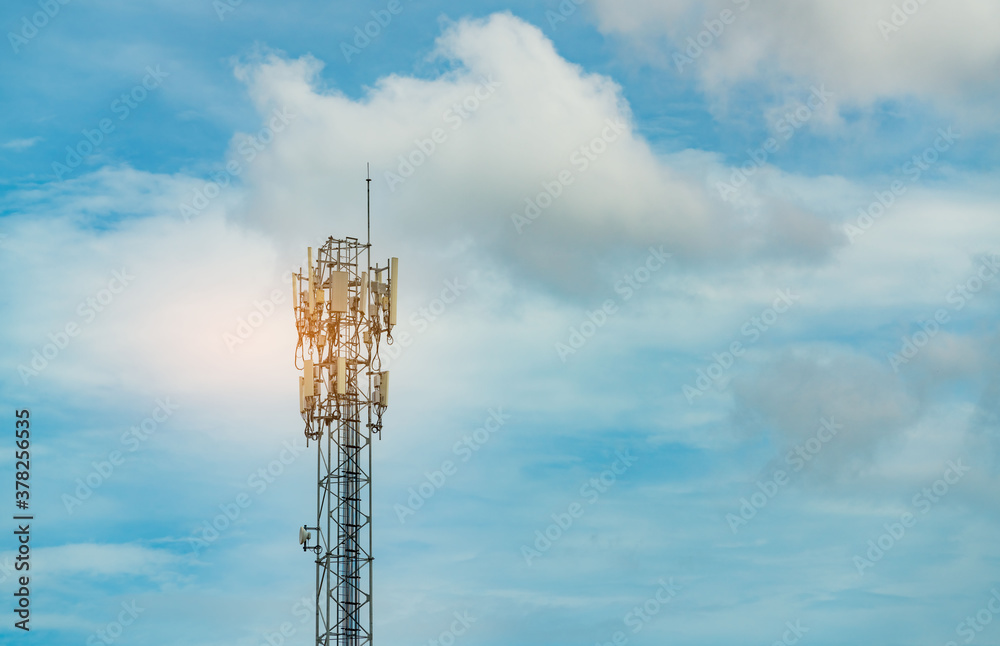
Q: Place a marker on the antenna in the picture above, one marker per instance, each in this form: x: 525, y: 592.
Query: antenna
x: 344, y: 309
x: 369, y: 183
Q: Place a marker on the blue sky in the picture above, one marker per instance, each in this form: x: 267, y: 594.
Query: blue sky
x: 726, y: 271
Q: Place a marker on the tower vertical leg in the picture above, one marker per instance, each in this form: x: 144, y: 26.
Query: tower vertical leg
x: 341, y: 319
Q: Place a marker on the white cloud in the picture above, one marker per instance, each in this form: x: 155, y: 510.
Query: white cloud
x: 102, y: 560
x: 163, y: 336
x: 488, y: 166
x: 18, y: 145
x: 451, y: 218
x: 942, y: 53
x: 792, y: 394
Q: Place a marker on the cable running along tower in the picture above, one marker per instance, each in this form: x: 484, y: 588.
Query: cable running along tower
x: 344, y: 307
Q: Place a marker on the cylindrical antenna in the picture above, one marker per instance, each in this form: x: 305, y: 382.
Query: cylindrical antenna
x: 368, y: 247
x: 369, y: 184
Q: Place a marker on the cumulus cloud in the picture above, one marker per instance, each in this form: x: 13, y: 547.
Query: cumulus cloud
x: 942, y: 53
x: 300, y: 180
x: 793, y: 393
x: 103, y: 560
x: 459, y: 157
x: 454, y: 155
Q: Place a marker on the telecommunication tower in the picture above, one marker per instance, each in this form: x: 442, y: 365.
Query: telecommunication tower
x: 344, y: 307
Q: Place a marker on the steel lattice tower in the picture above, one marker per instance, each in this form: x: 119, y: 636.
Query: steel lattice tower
x: 343, y: 307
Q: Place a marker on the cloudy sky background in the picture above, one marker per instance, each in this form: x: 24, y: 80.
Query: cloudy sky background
x: 745, y: 139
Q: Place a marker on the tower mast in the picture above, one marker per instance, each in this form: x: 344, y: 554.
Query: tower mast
x: 344, y: 307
